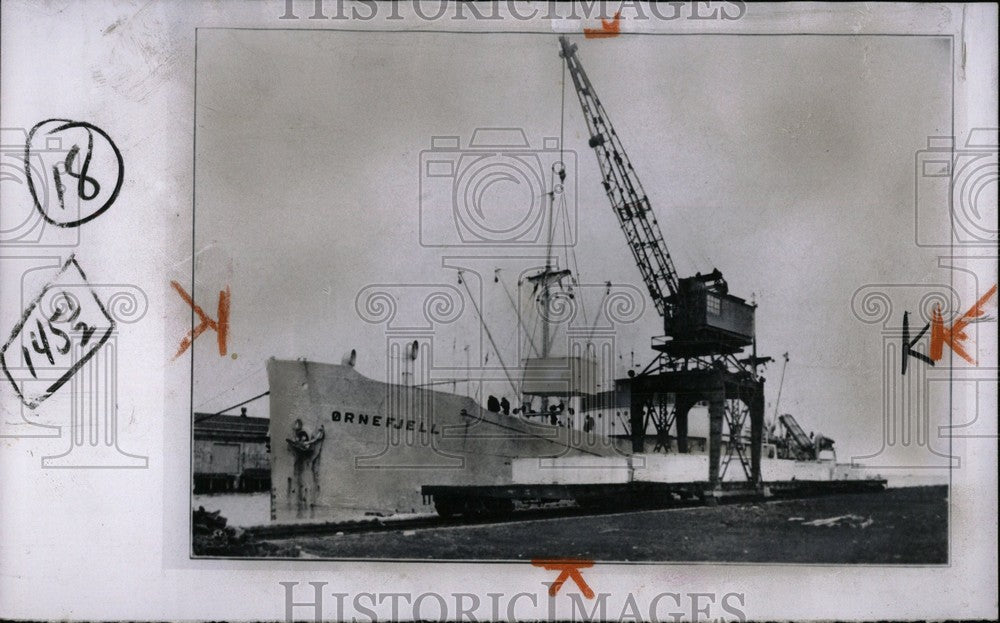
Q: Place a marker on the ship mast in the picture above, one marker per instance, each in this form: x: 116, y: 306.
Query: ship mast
x: 548, y: 276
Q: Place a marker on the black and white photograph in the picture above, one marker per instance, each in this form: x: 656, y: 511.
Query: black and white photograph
x: 496, y: 293
x: 498, y: 311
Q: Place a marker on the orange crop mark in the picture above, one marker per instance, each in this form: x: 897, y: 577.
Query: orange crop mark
x: 609, y: 28
x: 220, y: 326
x: 954, y: 336
x: 568, y: 569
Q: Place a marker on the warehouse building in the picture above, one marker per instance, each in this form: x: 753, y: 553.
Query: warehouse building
x: 231, y: 453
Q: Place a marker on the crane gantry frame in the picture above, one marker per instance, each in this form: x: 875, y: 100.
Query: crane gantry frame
x: 705, y: 327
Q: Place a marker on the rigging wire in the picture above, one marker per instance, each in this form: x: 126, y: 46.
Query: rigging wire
x: 597, y: 316
x: 534, y: 326
x: 242, y: 380
x: 514, y: 306
x: 489, y: 334
x: 781, y: 384
x: 575, y: 265
x: 240, y: 404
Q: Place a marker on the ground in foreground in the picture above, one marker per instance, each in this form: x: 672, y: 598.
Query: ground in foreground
x: 897, y: 526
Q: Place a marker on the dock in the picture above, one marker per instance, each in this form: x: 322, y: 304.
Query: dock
x: 905, y: 526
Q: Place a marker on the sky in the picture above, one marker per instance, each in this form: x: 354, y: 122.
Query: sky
x: 785, y: 161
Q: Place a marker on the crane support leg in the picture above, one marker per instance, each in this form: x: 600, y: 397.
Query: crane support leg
x: 716, y: 415
x: 756, y: 430
x: 637, y: 423
x: 684, y: 404
x: 715, y: 386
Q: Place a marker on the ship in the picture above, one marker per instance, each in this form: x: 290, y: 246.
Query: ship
x: 345, y: 446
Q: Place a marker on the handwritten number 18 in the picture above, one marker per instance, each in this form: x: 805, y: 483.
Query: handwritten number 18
x: 82, y: 179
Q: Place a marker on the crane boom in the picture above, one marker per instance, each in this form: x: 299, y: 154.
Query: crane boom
x: 700, y: 317
x: 621, y: 183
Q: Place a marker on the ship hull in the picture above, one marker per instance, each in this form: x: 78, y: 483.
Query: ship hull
x: 344, y: 446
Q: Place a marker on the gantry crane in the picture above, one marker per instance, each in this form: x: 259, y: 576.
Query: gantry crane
x: 705, y: 327
x: 701, y: 318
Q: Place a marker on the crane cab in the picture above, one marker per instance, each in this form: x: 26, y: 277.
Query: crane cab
x: 705, y: 319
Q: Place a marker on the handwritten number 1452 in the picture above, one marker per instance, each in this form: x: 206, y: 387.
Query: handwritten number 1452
x: 40, y: 342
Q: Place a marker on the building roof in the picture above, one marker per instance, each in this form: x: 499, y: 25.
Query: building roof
x: 231, y: 427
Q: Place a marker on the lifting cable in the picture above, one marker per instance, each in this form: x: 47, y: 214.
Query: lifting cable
x: 562, y: 110
x: 569, y: 249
